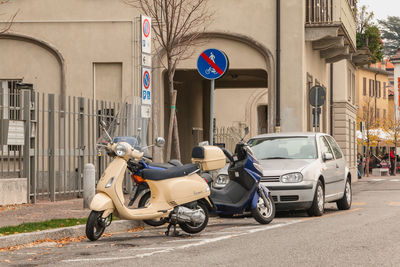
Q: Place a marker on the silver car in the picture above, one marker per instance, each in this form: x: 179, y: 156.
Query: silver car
x: 303, y: 171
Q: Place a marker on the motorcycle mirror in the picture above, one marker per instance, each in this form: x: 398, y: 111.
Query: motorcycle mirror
x: 246, y: 132
x: 160, y: 142
x: 103, y: 124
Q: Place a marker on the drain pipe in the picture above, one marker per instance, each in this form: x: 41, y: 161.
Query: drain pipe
x: 331, y: 100
x: 278, y: 63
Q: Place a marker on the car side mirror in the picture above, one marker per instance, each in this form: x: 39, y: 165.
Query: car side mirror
x: 327, y: 156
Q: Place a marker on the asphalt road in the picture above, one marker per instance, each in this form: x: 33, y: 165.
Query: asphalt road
x: 366, y: 235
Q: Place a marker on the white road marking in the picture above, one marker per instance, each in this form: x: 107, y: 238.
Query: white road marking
x: 377, y: 180
x: 201, y: 242
x: 395, y: 180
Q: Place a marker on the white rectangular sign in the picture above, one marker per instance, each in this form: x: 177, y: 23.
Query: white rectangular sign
x: 146, y: 111
x: 146, y: 86
x: 16, y: 134
x: 146, y: 60
x: 145, y: 29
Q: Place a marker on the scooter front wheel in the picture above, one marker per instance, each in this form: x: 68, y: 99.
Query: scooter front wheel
x: 95, y: 226
x: 264, y: 214
x: 192, y: 228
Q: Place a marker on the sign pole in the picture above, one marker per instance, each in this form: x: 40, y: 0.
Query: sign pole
x: 212, y: 112
x: 316, y: 117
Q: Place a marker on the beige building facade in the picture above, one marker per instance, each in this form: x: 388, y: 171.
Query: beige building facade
x: 91, y: 49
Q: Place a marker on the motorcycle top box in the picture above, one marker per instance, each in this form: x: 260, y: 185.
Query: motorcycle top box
x: 210, y: 158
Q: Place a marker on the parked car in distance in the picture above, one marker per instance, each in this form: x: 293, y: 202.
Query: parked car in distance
x: 303, y: 171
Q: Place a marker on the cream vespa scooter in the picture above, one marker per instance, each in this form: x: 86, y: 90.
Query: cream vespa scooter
x: 178, y: 193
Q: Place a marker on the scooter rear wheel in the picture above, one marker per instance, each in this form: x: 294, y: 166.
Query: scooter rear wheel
x: 144, y: 201
x: 194, y: 229
x: 264, y: 214
x: 95, y: 226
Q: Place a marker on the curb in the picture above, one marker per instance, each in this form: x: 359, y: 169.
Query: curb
x: 72, y: 231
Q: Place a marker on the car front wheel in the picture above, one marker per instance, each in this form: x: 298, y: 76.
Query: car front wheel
x: 317, y: 207
x: 345, y: 202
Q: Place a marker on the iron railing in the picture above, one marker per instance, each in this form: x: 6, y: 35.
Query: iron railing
x: 318, y: 11
x: 62, y: 141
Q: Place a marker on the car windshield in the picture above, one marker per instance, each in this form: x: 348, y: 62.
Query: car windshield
x: 298, y: 147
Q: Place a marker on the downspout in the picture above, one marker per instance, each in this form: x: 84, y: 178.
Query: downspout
x: 278, y: 63
x: 375, y: 91
x: 331, y: 99
x: 331, y: 86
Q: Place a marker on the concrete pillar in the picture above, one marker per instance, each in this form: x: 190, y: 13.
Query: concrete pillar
x: 89, y: 184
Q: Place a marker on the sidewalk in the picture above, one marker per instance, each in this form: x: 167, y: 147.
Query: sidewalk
x: 42, y: 211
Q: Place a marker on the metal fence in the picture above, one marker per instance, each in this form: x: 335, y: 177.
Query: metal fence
x: 60, y: 138
x: 228, y: 137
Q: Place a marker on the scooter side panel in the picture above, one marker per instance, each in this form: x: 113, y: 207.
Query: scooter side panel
x: 180, y: 190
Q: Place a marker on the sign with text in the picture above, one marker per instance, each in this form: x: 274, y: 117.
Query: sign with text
x: 16, y: 132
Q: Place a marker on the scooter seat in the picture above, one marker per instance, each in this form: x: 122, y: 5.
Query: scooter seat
x: 173, y: 172
x: 169, y: 164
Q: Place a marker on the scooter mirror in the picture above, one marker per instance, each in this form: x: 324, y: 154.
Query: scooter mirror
x: 160, y: 142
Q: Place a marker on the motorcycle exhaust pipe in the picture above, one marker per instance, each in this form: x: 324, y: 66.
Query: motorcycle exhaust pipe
x: 183, y: 214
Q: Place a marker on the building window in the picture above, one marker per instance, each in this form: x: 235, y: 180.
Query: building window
x: 384, y: 114
x: 378, y: 89
x: 364, y: 86
x: 371, y: 87
x: 378, y: 113
x: 353, y: 88
x: 384, y: 90
x: 349, y: 85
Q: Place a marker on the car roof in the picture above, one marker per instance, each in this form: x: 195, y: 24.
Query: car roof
x: 287, y: 134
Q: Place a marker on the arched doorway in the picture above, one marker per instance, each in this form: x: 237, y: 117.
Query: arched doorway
x: 251, y: 73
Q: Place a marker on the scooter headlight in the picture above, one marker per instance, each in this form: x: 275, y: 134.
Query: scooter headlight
x: 121, y: 149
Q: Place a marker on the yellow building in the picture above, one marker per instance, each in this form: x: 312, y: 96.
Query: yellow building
x: 373, y: 96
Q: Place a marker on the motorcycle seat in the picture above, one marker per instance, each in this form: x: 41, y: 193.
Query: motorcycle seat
x: 174, y: 172
x: 169, y: 164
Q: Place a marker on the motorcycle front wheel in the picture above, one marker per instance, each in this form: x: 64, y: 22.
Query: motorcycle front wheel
x: 192, y: 228
x: 95, y: 226
x: 264, y: 214
x: 144, y: 201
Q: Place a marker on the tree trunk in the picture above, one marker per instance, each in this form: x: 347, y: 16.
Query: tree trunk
x: 171, y: 125
x: 176, y: 138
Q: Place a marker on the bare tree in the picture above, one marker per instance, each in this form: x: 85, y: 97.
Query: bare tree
x: 9, y: 21
x: 177, y: 26
x: 366, y: 114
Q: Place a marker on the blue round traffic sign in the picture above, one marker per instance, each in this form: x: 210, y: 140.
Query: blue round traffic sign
x: 146, y: 79
x: 146, y: 28
x: 212, y: 64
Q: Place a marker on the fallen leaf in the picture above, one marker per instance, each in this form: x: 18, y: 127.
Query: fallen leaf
x: 136, y: 229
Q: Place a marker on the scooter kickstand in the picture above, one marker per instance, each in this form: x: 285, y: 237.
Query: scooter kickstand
x: 175, y: 233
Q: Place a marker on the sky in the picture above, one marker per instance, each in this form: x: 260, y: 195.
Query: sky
x: 382, y: 8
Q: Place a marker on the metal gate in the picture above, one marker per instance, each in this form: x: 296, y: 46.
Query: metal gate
x: 60, y: 138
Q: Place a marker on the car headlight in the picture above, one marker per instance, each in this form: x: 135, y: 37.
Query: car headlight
x: 120, y: 150
x: 221, y: 180
x: 295, y: 177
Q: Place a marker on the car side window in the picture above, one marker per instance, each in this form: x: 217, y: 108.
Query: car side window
x: 325, y: 148
x: 335, y: 147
